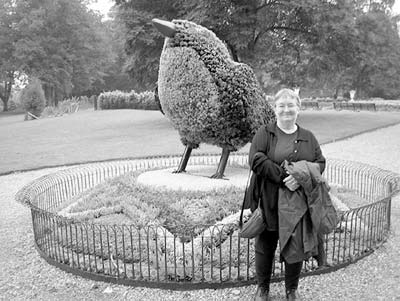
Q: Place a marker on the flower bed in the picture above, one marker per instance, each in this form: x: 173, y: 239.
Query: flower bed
x: 160, y: 254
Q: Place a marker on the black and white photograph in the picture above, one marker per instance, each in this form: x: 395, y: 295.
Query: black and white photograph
x: 200, y: 150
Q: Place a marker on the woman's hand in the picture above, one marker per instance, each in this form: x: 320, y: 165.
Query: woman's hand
x: 291, y: 183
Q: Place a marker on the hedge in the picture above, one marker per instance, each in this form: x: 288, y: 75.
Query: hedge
x: 114, y: 100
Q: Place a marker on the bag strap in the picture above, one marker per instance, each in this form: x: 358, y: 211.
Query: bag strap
x: 247, y: 185
x: 244, y: 198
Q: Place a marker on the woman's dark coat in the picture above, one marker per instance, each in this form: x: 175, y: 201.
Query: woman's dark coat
x: 304, y: 213
x: 269, y: 174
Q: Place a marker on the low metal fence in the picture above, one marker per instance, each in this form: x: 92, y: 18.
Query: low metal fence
x: 210, y: 255
x: 310, y: 105
x: 355, y: 106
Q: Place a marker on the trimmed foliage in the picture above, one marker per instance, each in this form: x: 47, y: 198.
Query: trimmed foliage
x: 32, y: 97
x: 181, y: 229
x: 122, y: 100
x: 209, y: 97
x: 177, y: 211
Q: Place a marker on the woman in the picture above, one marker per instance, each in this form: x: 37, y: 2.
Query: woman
x: 273, y: 144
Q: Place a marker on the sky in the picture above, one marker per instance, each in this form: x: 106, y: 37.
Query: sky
x: 396, y: 7
x: 103, y: 6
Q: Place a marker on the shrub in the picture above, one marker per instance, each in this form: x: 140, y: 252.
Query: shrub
x: 49, y: 111
x: 114, y: 100
x: 346, y: 95
x: 92, y: 99
x: 12, y: 105
x: 175, y: 210
x: 32, y: 97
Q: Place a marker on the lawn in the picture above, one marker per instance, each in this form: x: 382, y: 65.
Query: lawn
x: 89, y: 135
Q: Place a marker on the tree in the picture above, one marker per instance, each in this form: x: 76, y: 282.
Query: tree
x: 115, y: 77
x: 327, y: 58
x: 312, y: 43
x: 270, y: 35
x: 61, y: 43
x: 32, y: 97
x: 7, y: 48
x: 377, y: 72
x: 143, y: 44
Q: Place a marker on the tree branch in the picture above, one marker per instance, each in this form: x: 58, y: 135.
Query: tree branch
x: 273, y: 28
x: 267, y: 3
x: 289, y: 28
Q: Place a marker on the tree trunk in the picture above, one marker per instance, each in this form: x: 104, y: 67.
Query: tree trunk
x: 5, y: 97
x: 2, y: 99
x: 50, y: 94
x: 336, y: 94
x: 5, y: 106
x: 55, y: 97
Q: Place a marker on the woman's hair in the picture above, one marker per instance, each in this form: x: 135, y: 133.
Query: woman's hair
x: 287, y: 93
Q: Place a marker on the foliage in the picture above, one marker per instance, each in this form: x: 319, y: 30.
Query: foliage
x: 115, y: 77
x: 12, y: 105
x: 161, y: 228
x: 132, y: 100
x: 317, y: 45
x: 175, y: 210
x: 67, y: 106
x: 209, y: 97
x: 32, y: 96
x: 143, y: 43
x: 60, y: 42
x: 7, y: 47
x: 377, y: 72
x: 348, y: 196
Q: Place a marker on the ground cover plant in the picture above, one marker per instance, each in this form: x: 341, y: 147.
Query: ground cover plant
x: 198, y: 229
x: 124, y: 201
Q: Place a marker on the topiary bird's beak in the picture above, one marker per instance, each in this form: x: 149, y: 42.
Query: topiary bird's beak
x: 165, y: 27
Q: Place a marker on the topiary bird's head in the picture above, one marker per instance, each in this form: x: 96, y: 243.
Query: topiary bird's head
x: 183, y: 33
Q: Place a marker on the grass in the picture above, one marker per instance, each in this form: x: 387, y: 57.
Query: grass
x: 88, y: 135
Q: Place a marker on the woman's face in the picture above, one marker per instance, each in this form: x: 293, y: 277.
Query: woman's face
x: 287, y: 110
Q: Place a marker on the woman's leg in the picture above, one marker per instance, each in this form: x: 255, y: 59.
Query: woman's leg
x: 292, y: 275
x: 265, y: 247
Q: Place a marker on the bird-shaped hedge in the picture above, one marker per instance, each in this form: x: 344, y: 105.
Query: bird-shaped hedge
x: 208, y: 97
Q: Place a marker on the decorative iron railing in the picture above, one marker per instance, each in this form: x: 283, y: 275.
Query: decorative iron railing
x: 213, y: 256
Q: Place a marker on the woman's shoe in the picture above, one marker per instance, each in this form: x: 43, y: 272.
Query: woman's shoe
x: 262, y: 294
x: 292, y: 295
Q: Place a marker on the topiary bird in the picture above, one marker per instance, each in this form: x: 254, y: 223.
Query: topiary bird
x: 208, y: 97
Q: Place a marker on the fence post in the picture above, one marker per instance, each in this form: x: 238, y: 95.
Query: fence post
x: 389, y: 211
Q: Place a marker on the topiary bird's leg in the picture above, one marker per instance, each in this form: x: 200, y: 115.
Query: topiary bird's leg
x: 184, y: 160
x: 222, y: 164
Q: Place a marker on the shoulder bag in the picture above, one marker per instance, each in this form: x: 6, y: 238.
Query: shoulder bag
x: 256, y: 223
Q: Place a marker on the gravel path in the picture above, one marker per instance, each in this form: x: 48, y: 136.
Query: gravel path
x: 25, y: 276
